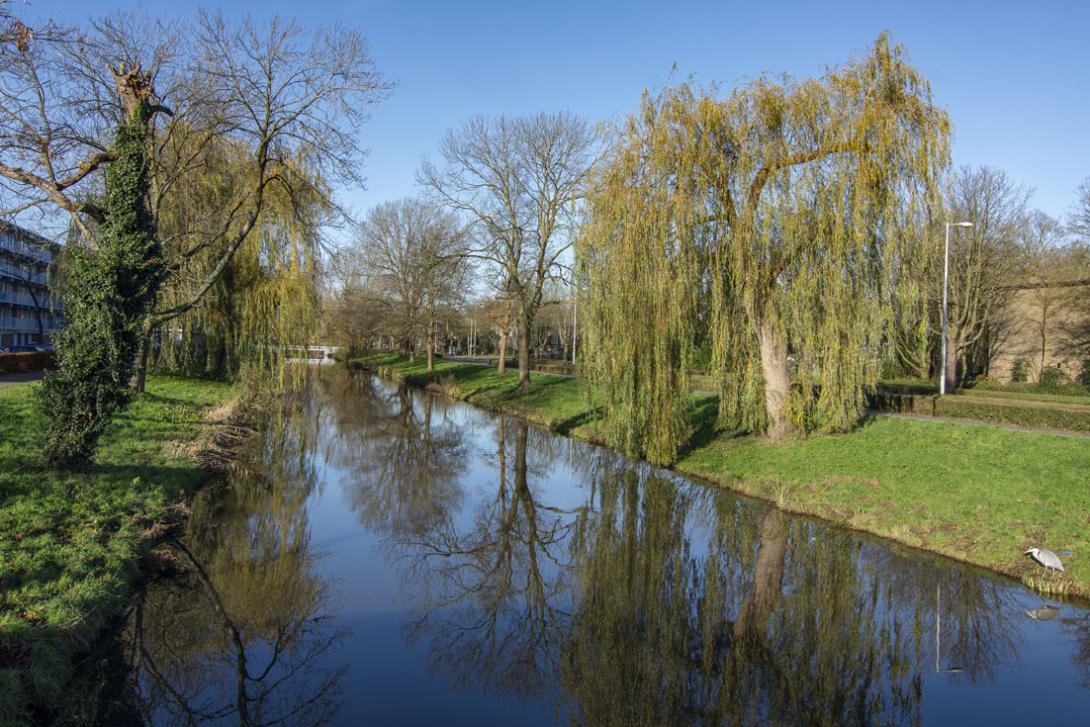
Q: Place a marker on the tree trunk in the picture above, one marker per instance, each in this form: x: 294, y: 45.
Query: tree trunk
x: 952, y: 350
x: 503, y: 352
x: 777, y: 379
x: 524, y: 350
x: 1044, y: 337
x: 767, y: 575
x: 41, y: 326
x: 431, y: 347
x: 140, y: 363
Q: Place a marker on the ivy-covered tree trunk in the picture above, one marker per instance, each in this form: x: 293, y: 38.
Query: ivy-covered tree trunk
x: 110, y: 288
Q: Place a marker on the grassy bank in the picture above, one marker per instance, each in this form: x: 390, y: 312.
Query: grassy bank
x: 70, y: 544
x: 976, y: 493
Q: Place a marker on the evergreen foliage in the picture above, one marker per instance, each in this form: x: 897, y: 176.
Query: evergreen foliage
x: 109, y: 290
x: 1052, y: 379
x: 1020, y: 370
x: 1084, y: 373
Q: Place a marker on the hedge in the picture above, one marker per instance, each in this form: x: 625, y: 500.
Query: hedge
x: 1025, y: 414
x: 11, y: 363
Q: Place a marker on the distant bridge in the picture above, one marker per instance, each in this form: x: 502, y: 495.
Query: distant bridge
x: 320, y: 355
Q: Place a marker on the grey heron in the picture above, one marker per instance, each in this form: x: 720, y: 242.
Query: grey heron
x: 1043, y: 613
x: 1046, y: 557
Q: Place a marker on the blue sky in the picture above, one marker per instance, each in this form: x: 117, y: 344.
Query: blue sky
x: 1013, y: 75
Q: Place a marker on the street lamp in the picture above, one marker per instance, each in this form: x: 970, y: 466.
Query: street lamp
x: 945, y: 286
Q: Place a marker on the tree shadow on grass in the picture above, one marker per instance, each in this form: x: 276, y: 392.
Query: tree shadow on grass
x: 587, y: 417
x: 174, y: 480
x: 172, y: 400
x: 868, y: 420
x: 703, y: 416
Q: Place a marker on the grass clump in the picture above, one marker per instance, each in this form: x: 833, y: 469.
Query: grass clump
x: 71, y: 542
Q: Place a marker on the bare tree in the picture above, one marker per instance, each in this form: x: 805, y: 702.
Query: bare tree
x: 498, y: 313
x: 414, y: 255
x: 982, y: 258
x: 518, y: 181
x: 1078, y: 223
x: 352, y: 309
x: 1044, y: 258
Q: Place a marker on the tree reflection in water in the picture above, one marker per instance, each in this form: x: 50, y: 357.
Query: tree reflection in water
x: 243, y: 634
x: 492, y: 601
x: 556, y: 572
x: 405, y: 454
x: 659, y: 601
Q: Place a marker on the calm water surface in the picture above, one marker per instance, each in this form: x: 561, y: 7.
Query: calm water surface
x: 391, y: 557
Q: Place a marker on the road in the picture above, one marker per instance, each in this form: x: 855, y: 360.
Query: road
x: 20, y: 378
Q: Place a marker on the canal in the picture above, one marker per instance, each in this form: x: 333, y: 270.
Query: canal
x: 387, y: 556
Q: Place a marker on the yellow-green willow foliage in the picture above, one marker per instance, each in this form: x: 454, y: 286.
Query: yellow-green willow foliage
x: 641, y: 254
x: 786, y: 200
x: 265, y: 305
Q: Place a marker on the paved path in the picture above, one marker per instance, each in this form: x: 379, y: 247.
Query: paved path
x: 978, y: 423
x: 20, y: 378
x: 869, y: 412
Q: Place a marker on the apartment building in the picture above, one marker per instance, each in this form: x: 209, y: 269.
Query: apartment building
x: 29, y: 314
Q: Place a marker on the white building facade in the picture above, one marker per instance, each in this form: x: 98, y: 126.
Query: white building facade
x: 29, y: 313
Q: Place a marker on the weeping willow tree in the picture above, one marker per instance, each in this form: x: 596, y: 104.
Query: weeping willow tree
x: 784, y: 200
x: 643, y: 253
x: 265, y: 302
x: 911, y: 309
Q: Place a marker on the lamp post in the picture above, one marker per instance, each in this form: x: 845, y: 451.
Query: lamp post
x: 574, y: 328
x: 945, y: 286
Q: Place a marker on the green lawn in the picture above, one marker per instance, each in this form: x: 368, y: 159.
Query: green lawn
x: 70, y: 544
x: 977, y: 493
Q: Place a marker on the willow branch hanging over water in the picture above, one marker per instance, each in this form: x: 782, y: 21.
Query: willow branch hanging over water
x: 266, y: 301
x: 771, y: 214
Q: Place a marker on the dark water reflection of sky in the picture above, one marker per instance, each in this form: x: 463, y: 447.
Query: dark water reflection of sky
x: 395, y: 558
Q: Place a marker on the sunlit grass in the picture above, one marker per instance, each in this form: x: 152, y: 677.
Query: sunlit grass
x: 70, y: 542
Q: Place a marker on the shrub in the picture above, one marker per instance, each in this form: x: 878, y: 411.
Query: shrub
x: 11, y: 363
x: 1084, y: 374
x: 1020, y: 371
x: 1052, y: 380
